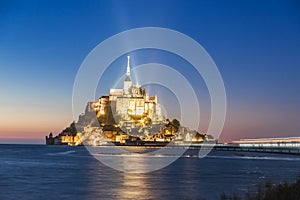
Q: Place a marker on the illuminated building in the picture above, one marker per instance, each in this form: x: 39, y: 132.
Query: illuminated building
x: 67, y: 139
x: 130, y: 106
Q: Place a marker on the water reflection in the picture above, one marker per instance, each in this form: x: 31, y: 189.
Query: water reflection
x: 134, y: 186
x: 107, y: 183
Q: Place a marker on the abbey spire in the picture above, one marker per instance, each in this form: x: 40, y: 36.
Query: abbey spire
x: 127, y: 81
x: 128, y: 66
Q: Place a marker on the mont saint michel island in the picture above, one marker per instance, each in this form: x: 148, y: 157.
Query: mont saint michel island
x: 127, y: 116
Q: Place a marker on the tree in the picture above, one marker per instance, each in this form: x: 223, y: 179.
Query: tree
x: 176, y: 124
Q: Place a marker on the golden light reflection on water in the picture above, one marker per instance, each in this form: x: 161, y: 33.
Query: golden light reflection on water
x: 104, y: 182
x: 134, y: 186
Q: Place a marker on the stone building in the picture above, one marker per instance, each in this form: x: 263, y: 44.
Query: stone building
x: 129, y: 106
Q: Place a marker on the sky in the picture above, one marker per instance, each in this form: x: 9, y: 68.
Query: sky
x: 255, y: 45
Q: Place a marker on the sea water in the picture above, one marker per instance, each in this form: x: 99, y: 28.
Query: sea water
x: 62, y: 172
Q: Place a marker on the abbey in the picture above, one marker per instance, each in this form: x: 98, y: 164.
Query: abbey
x: 130, y: 106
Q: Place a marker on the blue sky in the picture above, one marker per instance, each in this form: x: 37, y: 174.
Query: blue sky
x: 255, y: 44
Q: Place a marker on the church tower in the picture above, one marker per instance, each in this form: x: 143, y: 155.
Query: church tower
x: 127, y: 81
